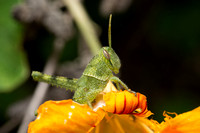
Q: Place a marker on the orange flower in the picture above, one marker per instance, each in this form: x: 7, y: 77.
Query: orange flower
x: 132, y: 109
x: 188, y: 122
x: 121, y: 102
x: 65, y: 117
x: 124, y: 102
x: 70, y: 117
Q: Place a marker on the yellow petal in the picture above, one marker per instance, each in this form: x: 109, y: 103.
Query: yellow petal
x: 120, y: 101
x: 109, y: 87
x: 65, y: 116
x: 188, y: 122
x: 110, y: 102
x: 123, y: 124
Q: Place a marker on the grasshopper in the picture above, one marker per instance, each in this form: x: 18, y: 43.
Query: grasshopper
x: 94, y: 78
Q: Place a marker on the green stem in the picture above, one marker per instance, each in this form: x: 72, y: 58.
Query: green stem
x: 84, y: 24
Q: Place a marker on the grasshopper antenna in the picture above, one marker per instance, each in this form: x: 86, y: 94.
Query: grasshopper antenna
x: 109, y: 31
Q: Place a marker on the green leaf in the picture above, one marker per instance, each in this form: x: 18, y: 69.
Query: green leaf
x: 13, y: 65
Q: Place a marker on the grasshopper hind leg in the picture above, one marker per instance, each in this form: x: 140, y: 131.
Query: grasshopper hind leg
x: 58, y: 81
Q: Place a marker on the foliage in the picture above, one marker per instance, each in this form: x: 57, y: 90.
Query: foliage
x: 13, y: 65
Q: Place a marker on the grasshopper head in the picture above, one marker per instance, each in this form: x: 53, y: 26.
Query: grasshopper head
x: 111, y: 59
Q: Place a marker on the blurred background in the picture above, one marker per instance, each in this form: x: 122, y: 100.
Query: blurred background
x: 158, y: 42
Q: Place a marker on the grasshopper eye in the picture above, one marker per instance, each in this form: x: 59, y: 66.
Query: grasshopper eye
x: 106, y: 54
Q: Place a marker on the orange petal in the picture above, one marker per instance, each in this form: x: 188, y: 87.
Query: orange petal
x: 65, y: 116
x: 129, y: 101
x: 124, y: 102
x: 188, y: 122
x: 141, y: 109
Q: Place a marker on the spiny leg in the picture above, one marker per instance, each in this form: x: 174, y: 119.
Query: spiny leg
x: 58, y: 81
x: 117, y: 81
x: 118, y: 87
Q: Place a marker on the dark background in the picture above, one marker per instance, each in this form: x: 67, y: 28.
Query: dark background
x: 158, y: 42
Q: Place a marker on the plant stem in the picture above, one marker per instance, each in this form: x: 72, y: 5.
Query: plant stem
x: 84, y: 24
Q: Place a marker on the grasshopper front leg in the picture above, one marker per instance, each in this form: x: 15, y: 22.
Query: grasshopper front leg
x: 117, y: 81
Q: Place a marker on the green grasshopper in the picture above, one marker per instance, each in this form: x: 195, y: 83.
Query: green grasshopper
x: 94, y: 78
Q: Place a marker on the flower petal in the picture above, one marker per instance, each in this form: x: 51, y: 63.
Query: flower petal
x: 141, y: 109
x: 188, y: 122
x: 131, y: 102
x: 124, y: 102
x: 65, y: 116
x: 120, y: 101
x: 110, y: 102
x: 123, y: 124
